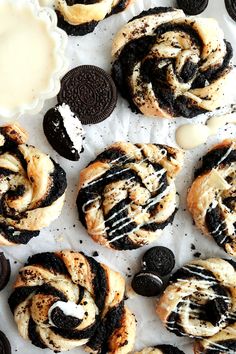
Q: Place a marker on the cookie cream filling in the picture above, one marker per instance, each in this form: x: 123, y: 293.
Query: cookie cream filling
x: 69, y: 308
x: 72, y: 126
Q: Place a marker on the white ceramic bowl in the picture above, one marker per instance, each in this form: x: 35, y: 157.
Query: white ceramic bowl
x: 60, y: 65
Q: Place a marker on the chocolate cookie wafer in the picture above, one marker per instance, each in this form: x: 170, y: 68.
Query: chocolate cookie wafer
x: 5, y: 271
x: 90, y: 92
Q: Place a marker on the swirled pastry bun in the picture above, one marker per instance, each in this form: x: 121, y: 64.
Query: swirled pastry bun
x: 32, y: 187
x: 167, y: 64
x: 200, y: 303
x: 78, y: 18
x: 161, y: 349
x: 64, y: 300
x: 127, y: 194
x: 212, y: 196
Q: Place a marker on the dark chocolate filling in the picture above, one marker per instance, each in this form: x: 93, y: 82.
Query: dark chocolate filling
x: 75, y: 30
x: 230, y: 346
x: 22, y: 237
x: 212, y: 158
x: 59, y: 185
x: 119, y: 214
x: 99, y: 282
x: 187, y: 272
x: 50, y: 261
x: 61, y: 320
x: 169, y: 349
x: 153, y: 11
x: 216, y: 226
x: 34, y: 336
x: 134, y: 52
x: 112, y: 321
x: 88, y: 27
x: 76, y: 334
x: 19, y: 295
x: 154, y: 226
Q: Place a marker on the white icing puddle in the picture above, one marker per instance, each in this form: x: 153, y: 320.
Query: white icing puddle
x: 189, y: 136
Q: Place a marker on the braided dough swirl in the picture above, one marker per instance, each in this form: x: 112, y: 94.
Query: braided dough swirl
x: 127, y: 194
x: 212, y: 196
x: 200, y: 302
x: 32, y: 188
x: 66, y: 299
x: 79, y: 17
x: 167, y: 64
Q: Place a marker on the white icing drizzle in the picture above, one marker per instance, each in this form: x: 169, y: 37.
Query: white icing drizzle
x: 72, y: 126
x: 69, y: 308
x: 121, y: 223
x: 189, y: 136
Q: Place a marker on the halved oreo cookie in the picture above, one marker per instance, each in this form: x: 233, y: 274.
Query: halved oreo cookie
x: 5, y: 271
x: 64, y: 132
x: 231, y: 8
x: 160, y: 260
x: 5, y: 347
x: 193, y: 7
x: 90, y: 92
x: 147, y: 284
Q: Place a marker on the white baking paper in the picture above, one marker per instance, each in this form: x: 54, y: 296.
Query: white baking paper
x: 67, y: 232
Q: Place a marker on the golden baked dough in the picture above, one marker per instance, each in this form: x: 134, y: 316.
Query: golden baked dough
x: 66, y: 299
x: 80, y: 18
x: 127, y: 195
x: 32, y: 187
x: 200, y: 302
x: 167, y: 64
x: 161, y: 349
x: 212, y: 196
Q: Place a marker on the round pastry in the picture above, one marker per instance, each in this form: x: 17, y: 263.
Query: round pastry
x: 127, y: 194
x: 32, y: 187
x: 193, y: 7
x: 79, y: 17
x: 212, y: 196
x: 200, y: 302
x: 90, y: 92
x: 167, y: 64
x: 161, y: 349
x: 159, y: 259
x: 147, y: 284
x: 65, y: 299
x: 5, y: 347
x: 64, y: 131
x: 5, y: 271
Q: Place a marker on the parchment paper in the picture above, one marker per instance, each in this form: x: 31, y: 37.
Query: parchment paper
x: 67, y: 232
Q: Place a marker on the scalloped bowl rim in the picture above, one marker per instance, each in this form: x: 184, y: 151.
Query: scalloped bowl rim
x: 60, y: 38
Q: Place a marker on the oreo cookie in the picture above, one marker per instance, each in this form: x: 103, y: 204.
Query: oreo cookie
x: 64, y: 131
x: 147, y: 284
x: 90, y: 92
x: 5, y: 347
x: 5, y: 271
x: 231, y: 8
x: 193, y: 7
x: 160, y: 260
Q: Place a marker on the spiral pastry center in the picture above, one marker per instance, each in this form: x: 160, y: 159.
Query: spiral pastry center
x: 212, y: 196
x: 127, y: 195
x: 167, y: 64
x: 65, y: 300
x: 32, y: 187
x: 200, y: 302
